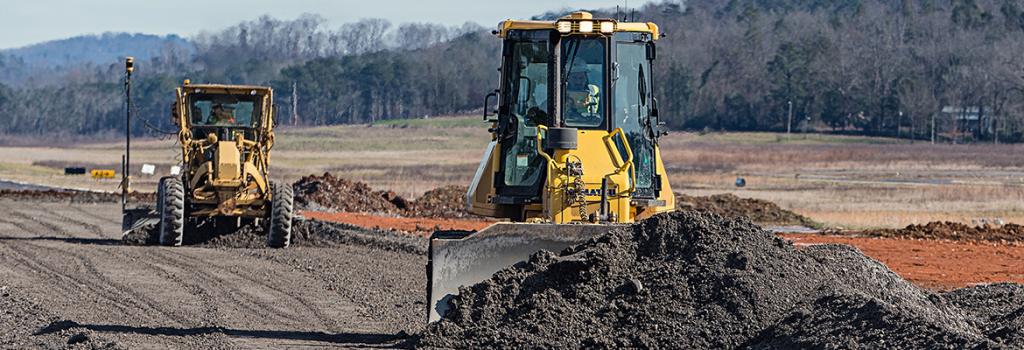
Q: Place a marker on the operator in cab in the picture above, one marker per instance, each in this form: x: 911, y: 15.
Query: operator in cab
x: 221, y: 114
x: 582, y: 97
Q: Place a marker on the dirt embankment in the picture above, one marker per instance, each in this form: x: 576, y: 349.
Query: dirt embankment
x: 697, y: 280
x: 305, y: 233
x: 328, y: 192
x: 954, y: 231
x: 74, y: 196
x: 731, y: 206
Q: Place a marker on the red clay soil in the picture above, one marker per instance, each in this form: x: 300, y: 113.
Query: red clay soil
x: 418, y: 226
x: 936, y: 264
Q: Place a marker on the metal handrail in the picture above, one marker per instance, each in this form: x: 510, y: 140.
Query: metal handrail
x: 629, y: 152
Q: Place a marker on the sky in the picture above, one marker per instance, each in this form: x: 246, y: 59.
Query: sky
x: 25, y: 22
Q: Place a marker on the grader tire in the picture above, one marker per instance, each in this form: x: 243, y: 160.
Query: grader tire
x: 279, y: 234
x: 172, y: 211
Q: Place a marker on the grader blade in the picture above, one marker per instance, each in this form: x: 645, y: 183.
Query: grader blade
x: 462, y: 259
x: 137, y: 218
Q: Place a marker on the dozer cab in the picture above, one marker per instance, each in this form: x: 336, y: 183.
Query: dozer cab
x: 225, y: 133
x: 574, y: 148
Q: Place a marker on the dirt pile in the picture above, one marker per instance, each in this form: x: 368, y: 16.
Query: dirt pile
x: 328, y: 192
x: 335, y: 193
x: 697, y: 280
x: 73, y: 196
x: 443, y: 202
x: 953, y: 231
x: 731, y: 206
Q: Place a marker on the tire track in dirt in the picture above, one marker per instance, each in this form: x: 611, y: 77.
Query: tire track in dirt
x: 197, y: 264
x: 362, y: 305
x: 221, y: 287
x: 91, y: 227
x: 35, y: 265
x: 96, y: 282
x: 220, y: 284
x: 79, y: 209
x: 255, y: 308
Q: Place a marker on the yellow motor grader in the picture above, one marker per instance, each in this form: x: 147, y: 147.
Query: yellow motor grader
x: 225, y: 133
x: 574, y: 148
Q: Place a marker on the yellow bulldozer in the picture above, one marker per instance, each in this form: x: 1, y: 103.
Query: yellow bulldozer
x: 225, y: 133
x: 574, y: 148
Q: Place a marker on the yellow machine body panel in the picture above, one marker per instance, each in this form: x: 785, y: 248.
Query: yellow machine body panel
x: 229, y: 162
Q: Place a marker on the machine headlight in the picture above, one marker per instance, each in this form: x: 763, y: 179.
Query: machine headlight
x: 586, y: 26
x: 607, y: 27
x: 564, y: 27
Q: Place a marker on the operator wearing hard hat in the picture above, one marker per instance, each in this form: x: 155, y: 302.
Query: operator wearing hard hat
x: 582, y: 97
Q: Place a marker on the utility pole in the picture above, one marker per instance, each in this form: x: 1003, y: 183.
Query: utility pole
x: 295, y: 104
x: 933, y: 128
x: 126, y: 161
x: 789, y: 124
x: 899, y: 119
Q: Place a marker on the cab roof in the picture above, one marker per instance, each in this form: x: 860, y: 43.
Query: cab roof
x: 226, y: 88
x: 641, y: 27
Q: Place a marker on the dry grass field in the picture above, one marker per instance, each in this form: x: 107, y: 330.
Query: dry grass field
x: 841, y: 181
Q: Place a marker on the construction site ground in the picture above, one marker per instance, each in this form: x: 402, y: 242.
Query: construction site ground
x: 64, y: 266
x: 67, y: 278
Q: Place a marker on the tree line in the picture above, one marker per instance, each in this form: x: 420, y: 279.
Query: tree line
x: 948, y: 69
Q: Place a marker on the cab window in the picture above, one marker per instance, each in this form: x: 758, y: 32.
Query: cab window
x: 583, y: 67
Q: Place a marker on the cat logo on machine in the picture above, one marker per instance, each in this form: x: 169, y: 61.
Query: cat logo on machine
x: 102, y: 174
x: 596, y: 192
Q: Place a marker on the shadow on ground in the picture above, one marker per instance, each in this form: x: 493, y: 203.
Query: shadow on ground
x: 75, y: 240
x: 400, y: 340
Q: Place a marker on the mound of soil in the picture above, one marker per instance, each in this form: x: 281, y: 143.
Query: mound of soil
x: 328, y: 192
x: 335, y: 193
x: 305, y: 233
x: 731, y: 206
x: 447, y: 202
x: 999, y: 308
x: 953, y: 231
x: 696, y: 280
x: 74, y: 196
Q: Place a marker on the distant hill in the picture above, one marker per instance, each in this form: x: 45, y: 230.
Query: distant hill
x: 97, y: 49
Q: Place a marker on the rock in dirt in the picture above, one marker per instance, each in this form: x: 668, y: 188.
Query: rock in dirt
x: 695, y: 280
x: 731, y: 206
x: 952, y: 231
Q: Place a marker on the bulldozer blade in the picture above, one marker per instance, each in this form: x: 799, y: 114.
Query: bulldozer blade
x: 462, y: 258
x: 134, y: 218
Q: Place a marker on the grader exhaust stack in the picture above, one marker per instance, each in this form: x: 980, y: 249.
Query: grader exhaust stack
x: 574, y: 150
